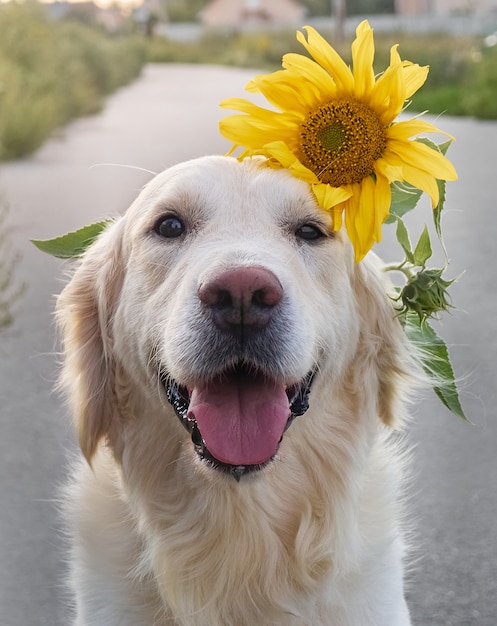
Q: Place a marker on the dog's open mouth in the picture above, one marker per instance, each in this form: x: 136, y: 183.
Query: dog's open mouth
x: 237, y: 420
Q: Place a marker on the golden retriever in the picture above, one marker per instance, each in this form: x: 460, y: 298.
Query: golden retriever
x: 234, y: 377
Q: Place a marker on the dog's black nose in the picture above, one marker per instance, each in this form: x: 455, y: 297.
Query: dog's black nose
x: 242, y: 299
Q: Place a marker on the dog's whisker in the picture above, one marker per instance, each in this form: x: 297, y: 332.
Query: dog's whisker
x: 124, y: 166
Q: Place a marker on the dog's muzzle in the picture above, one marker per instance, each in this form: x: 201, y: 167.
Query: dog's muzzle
x: 238, y: 416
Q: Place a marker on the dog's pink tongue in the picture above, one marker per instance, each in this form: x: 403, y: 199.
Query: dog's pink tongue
x: 241, y: 419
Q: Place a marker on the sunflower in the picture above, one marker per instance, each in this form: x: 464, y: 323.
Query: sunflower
x: 334, y: 128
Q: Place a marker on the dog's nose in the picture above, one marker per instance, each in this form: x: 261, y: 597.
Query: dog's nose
x: 242, y: 298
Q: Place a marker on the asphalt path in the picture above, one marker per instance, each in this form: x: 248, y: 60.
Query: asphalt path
x: 88, y: 172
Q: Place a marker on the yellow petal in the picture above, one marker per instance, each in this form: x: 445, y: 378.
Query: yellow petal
x: 382, y: 202
x: 366, y: 217
x: 414, y: 77
x: 424, y: 158
x: 287, y: 119
x: 285, y: 156
x: 397, y: 94
x: 304, y: 67
x: 414, y: 176
x: 422, y: 181
x: 240, y: 104
x: 388, y: 95
x: 360, y: 218
x: 350, y: 211
x: 390, y: 171
x: 328, y: 196
x: 285, y: 91
x: 394, y: 55
x: 410, y: 128
x: 336, y: 216
x: 247, y: 131
x: 362, y: 60
x: 328, y: 58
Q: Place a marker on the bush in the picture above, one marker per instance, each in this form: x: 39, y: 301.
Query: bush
x: 51, y: 72
x: 481, y: 93
x: 258, y: 50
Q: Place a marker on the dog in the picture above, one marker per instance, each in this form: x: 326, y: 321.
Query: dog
x: 235, y: 378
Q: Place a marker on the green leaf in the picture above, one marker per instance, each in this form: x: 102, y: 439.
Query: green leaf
x: 428, y: 142
x: 72, y: 244
x: 435, y: 361
x: 423, y: 249
x: 403, y: 239
x: 443, y: 147
x: 404, y: 198
x: 437, y: 211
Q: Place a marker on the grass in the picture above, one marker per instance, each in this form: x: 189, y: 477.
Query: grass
x: 52, y: 72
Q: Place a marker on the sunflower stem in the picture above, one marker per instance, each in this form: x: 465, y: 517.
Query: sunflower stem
x: 407, y: 271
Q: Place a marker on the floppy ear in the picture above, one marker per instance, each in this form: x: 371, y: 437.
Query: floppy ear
x: 384, y: 344
x: 84, y: 313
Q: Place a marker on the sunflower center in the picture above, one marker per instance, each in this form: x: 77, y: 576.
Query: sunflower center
x: 341, y: 141
x: 332, y: 137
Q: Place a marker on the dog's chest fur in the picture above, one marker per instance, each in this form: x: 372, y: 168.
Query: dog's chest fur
x: 245, y: 554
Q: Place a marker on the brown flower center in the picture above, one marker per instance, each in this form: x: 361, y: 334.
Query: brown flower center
x: 341, y: 141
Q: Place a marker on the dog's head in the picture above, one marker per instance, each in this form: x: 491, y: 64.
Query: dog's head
x: 224, y: 290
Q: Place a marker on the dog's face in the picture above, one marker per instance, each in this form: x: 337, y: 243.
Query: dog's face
x: 233, y: 276
x: 224, y: 290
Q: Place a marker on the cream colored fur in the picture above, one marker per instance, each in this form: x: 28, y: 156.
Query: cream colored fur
x: 159, y: 538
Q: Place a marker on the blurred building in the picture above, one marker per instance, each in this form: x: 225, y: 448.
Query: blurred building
x: 445, y: 7
x: 233, y: 13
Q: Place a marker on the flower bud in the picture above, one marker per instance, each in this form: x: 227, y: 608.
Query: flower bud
x: 426, y: 293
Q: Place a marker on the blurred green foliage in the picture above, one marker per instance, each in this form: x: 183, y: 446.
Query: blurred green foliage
x: 480, y: 85
x: 353, y: 7
x: 259, y: 50
x: 54, y: 71
x: 184, y: 10
x: 462, y: 78
x: 463, y: 72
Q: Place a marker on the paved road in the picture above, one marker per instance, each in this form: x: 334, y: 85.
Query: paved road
x: 169, y: 115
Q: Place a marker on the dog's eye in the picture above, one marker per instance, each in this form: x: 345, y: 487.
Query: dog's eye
x: 309, y: 232
x: 169, y: 227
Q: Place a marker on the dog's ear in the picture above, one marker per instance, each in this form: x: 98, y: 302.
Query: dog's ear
x: 84, y: 312
x: 384, y: 345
